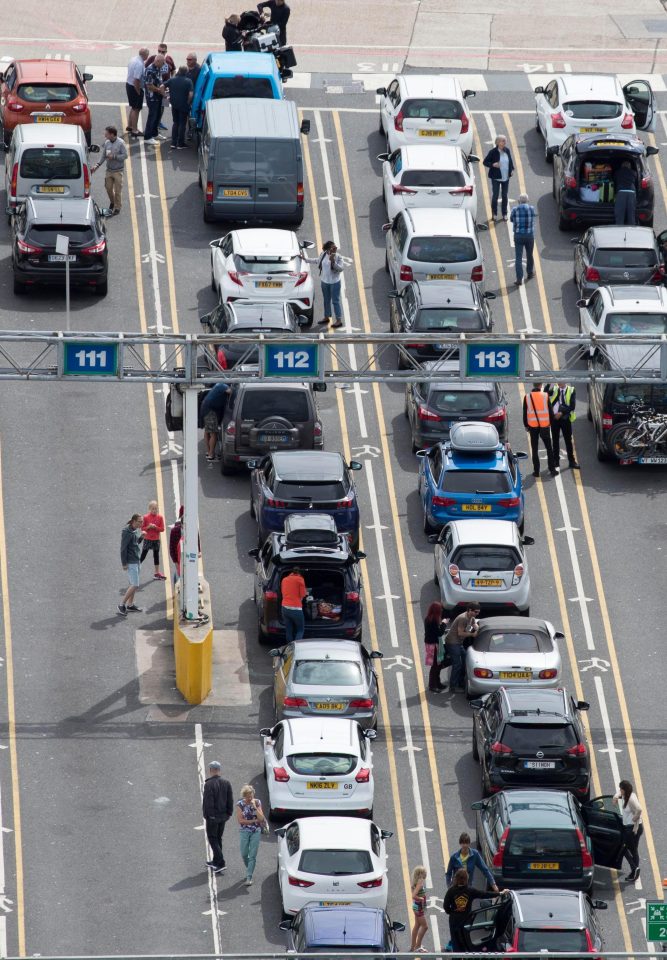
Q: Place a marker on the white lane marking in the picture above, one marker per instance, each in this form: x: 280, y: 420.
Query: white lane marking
x: 212, y: 888
x: 384, y: 570
x: 581, y: 597
x: 363, y: 431
x: 606, y: 726
x: 4, y: 901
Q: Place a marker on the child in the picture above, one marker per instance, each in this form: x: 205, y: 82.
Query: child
x: 152, y: 526
x: 419, y: 907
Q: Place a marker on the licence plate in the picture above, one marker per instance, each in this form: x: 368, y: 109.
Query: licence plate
x: 273, y: 438
x: 273, y: 284
x: 441, y: 276
x: 61, y: 257
x: 432, y: 133
x: 487, y: 583
x: 592, y: 129
x: 329, y: 706
x: 228, y: 192
x: 544, y: 866
x: 335, y: 903
x: 48, y: 189
x: 540, y: 764
x: 318, y: 785
x: 516, y: 675
x: 652, y: 460
x: 476, y: 508
x: 47, y: 118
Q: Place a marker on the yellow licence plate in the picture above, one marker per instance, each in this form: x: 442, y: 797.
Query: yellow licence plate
x: 487, y: 583
x: 441, y: 276
x: 269, y: 283
x: 544, y: 866
x: 476, y: 508
x: 319, y: 785
x: 236, y: 193
x: 335, y: 903
x: 432, y: 133
x: 48, y: 189
x: 592, y: 130
x: 329, y: 706
x: 48, y: 118
x: 516, y: 675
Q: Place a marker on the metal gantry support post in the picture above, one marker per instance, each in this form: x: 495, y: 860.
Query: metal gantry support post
x: 190, y: 553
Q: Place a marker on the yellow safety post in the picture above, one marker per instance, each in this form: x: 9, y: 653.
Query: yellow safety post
x: 193, y: 650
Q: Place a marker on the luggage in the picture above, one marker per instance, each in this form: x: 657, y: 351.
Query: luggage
x: 589, y: 194
x: 606, y: 192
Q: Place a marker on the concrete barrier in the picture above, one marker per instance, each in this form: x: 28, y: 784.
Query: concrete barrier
x: 193, y: 650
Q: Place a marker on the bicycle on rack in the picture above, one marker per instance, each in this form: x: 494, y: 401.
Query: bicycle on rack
x: 643, y: 438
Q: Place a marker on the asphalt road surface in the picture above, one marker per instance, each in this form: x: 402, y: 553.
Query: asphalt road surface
x: 103, y: 850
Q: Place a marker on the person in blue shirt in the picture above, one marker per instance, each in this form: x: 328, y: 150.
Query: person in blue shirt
x: 523, y: 218
x: 470, y: 859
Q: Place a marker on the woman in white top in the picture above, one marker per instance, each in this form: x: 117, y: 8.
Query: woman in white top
x: 632, y: 826
x: 331, y: 266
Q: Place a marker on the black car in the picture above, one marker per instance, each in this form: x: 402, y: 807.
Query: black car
x: 583, y: 178
x: 318, y: 929
x: 37, y: 224
x: 528, y: 737
x: 246, y: 316
x: 330, y: 568
x: 432, y: 406
x: 546, y: 838
x: 527, y: 921
x: 458, y: 306
x: 616, y: 255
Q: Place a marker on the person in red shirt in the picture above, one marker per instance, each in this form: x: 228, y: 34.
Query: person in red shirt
x: 293, y: 589
x: 152, y: 526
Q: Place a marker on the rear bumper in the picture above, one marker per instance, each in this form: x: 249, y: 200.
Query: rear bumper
x: 348, y: 629
x: 594, y: 214
x: 47, y: 275
x: 365, y: 719
x: 585, y: 882
x: 477, y: 687
x: 578, y: 784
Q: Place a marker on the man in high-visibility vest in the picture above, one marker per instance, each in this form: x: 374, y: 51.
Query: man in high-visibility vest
x: 563, y: 400
x: 537, y: 421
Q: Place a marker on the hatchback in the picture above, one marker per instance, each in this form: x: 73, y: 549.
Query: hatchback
x: 317, y: 929
x: 36, y: 227
x: 616, y: 255
x: 546, y: 838
x: 263, y: 263
x: 470, y: 474
x: 482, y: 561
x: 425, y: 175
x: 43, y: 91
x: 246, y: 316
x: 432, y: 245
x: 513, y: 652
x: 432, y: 108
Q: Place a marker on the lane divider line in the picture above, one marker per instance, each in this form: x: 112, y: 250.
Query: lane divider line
x: 212, y: 885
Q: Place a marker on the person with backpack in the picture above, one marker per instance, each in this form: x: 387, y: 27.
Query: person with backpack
x: 331, y: 266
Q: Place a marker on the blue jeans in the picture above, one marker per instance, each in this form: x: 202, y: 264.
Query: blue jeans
x: 249, y: 840
x: 625, y: 207
x: 295, y: 623
x: 496, y: 187
x: 331, y: 294
x: 153, y: 119
x: 458, y: 655
x: 523, y: 241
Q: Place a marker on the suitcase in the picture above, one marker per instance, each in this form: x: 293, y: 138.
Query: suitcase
x: 606, y: 192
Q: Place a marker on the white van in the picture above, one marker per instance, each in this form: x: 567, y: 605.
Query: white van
x: 41, y: 163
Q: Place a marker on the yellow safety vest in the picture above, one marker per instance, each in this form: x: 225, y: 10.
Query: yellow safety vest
x: 553, y: 396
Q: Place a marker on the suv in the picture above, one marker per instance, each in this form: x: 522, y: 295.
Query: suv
x: 431, y: 244
x: 431, y: 108
x: 619, y: 255
x: 330, y: 568
x: 583, y: 178
x: 624, y: 309
x: 266, y: 416
x: 425, y: 175
x: 546, y: 838
x: 246, y: 316
x: 43, y: 91
x: 531, y: 737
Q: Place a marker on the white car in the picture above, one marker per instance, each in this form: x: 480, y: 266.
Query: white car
x: 425, y: 108
x: 513, y: 652
x: 572, y: 103
x: 318, y: 764
x: 641, y: 310
x: 263, y: 264
x: 426, y: 175
x: 332, y: 862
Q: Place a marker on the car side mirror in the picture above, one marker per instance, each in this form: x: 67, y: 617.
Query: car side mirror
x: 386, y: 834
x: 370, y: 734
x: 319, y: 387
x: 527, y: 541
x: 205, y: 320
x: 577, y: 241
x: 399, y: 927
x: 382, y: 91
x: 376, y: 655
x: 280, y: 832
x: 386, y: 227
x: 254, y: 552
x: 520, y: 455
x: 276, y: 652
x: 559, y: 635
x: 93, y: 148
x: 582, y: 303
x: 652, y: 151
x: 86, y: 77
x: 393, y: 295
x: 489, y: 295
x: 355, y: 465
x: 599, y: 904
x: 360, y: 555
x: 555, y: 151
x: 583, y: 705
x: 538, y: 90
x: 251, y: 464
x: 478, y: 804
x: 306, y: 244
x: 482, y: 226
x: 473, y: 158
x: 476, y: 704
x: 286, y: 925
x: 265, y: 732
x: 421, y: 453
x: 433, y: 537
x: 469, y: 93
x: 305, y: 126
x: 382, y: 157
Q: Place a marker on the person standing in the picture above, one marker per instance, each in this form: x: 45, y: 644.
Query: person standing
x: 458, y: 907
x: 501, y: 167
x: 633, y: 827
x: 523, y: 218
x: 231, y: 34
x: 462, y: 628
x: 625, y: 195
x: 563, y: 400
x: 212, y: 411
x: 537, y: 421
x: 181, y: 92
x: 434, y: 628
x: 470, y: 859
x: 279, y: 14
x: 293, y: 590
x: 175, y: 538
x: 194, y: 68
x: 251, y: 820
x: 168, y: 71
x: 114, y: 154
x: 330, y: 265
x: 134, y: 88
x: 420, y: 926
x: 217, y: 808
x: 154, y: 97
x: 152, y: 526
x: 130, y: 538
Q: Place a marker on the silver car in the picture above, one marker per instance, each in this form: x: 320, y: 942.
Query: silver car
x: 482, y: 561
x: 513, y: 652
x: 315, y: 678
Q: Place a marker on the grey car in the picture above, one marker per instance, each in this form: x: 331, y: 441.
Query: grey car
x: 246, y: 316
x: 616, y: 255
x: 335, y: 678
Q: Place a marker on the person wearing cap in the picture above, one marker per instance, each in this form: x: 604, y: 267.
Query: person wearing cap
x: 130, y: 538
x: 217, y: 808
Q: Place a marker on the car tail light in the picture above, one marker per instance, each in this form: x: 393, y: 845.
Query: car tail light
x: 455, y: 573
x: 209, y: 191
x: 363, y: 776
x: 547, y: 674
x: 443, y: 501
x: 398, y: 121
x: 352, y: 596
x: 578, y: 751
x: 294, y: 702
x: 275, y: 503
x: 222, y: 359
x: 499, y: 747
x: 500, y: 853
x: 592, y: 274
x: 299, y: 192
x: 398, y: 189
x: 496, y: 416
x: 14, y: 181
x: 557, y: 121
x: 415, y: 346
x: 344, y: 504
x: 477, y: 273
x: 98, y: 247
x: 645, y: 183
x: 518, y: 573
x: 589, y: 942
x: 607, y: 421
x: 270, y: 595
x: 24, y: 247
x: 586, y: 858
x: 86, y: 180
x: 465, y: 123
x: 570, y: 183
x: 628, y: 121
x: 301, y: 278
x: 317, y: 429
x: 231, y: 429
x: 235, y: 278
x: 462, y: 191
x: 510, y: 502
x: 362, y: 704
x: 295, y: 882
x: 406, y: 273
x: 79, y: 107
x: 482, y: 673
x: 369, y: 884
x: 644, y: 215
x: 659, y: 274
x: 280, y: 774
x: 15, y: 106
x: 423, y: 412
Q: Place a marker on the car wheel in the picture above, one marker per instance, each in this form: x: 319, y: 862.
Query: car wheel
x: 101, y: 289
x: 253, y: 513
x: 428, y: 526
x: 475, y: 751
x: 214, y: 286
x: 273, y: 816
x: 563, y: 224
x: 226, y: 469
x: 308, y: 317
x: 589, y: 413
x: 436, y: 579
x: 537, y: 122
x: 386, y: 262
x: 369, y: 815
x: 553, y: 185
x: 400, y: 361
x: 484, y: 786
x: 207, y: 216
x: 199, y: 180
x: 380, y: 127
x: 548, y: 155
x: 600, y: 451
x: 526, y: 612
x: 522, y: 525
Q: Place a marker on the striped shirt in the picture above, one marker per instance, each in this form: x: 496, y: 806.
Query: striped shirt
x: 523, y: 218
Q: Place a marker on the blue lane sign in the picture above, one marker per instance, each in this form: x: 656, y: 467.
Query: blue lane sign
x: 492, y: 361
x: 299, y: 360
x: 90, y: 359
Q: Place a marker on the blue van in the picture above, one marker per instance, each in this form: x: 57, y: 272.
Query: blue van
x: 232, y: 75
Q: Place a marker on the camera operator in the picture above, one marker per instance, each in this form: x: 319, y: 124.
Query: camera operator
x: 279, y: 14
x: 231, y: 34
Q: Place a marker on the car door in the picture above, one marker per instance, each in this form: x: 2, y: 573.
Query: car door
x: 218, y: 255
x: 391, y: 175
x: 641, y: 99
x: 604, y: 826
x: 282, y: 676
x: 481, y: 931
x: 407, y: 310
x: 548, y: 104
x: 396, y: 236
x: 541, y: 106
x: 388, y: 104
x: 263, y: 571
x: 443, y: 551
x: 432, y: 471
x: 590, y: 315
x: 489, y: 726
x: 273, y: 754
x: 287, y: 849
x: 7, y: 85
x: 582, y: 256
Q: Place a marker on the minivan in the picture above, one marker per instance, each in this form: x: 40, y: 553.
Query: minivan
x: 250, y: 164
x: 47, y: 163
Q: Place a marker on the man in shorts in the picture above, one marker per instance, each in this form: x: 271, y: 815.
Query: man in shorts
x: 134, y: 87
x: 212, y: 411
x: 130, y: 538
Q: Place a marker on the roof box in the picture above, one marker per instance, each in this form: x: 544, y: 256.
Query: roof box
x: 472, y: 437
x: 310, y: 529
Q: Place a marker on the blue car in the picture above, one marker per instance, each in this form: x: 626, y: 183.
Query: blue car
x: 233, y: 75
x: 319, y: 929
x: 297, y: 480
x: 471, y: 475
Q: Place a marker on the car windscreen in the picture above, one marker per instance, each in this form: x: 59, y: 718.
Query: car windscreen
x: 231, y: 87
x: 47, y: 92
x: 625, y: 258
x: 426, y: 107
x: 56, y: 163
x: 268, y: 264
x: 319, y: 491
x: 542, y: 842
x: 459, y: 401
x: 476, y: 481
x: 520, y: 737
x: 561, y: 941
x: 654, y: 395
x: 260, y: 404
x: 645, y: 323
x: 591, y: 110
x: 321, y: 764
x: 513, y: 641
x: 316, y: 673
x: 486, y: 558
x: 44, y: 235
x: 335, y: 863
x: 442, y: 250
x: 433, y: 178
x: 449, y: 319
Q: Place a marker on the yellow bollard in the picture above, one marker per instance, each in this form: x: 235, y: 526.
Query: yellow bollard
x: 193, y: 651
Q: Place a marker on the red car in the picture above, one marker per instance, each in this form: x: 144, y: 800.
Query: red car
x: 43, y: 91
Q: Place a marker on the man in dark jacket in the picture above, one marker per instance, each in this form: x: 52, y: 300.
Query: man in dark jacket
x: 212, y: 411
x: 562, y: 401
x: 130, y: 558
x: 279, y: 16
x: 217, y: 807
x: 232, y: 35
x: 458, y: 906
x: 180, y: 90
x: 625, y: 194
